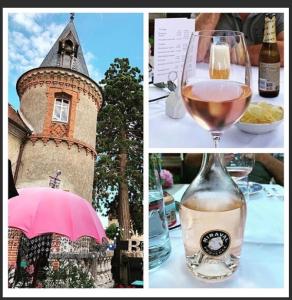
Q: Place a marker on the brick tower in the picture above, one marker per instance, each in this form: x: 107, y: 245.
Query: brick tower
x: 60, y: 102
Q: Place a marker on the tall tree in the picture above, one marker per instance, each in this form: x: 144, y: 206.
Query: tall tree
x: 118, y: 181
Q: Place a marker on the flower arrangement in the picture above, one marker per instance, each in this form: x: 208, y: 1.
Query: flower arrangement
x: 167, y: 178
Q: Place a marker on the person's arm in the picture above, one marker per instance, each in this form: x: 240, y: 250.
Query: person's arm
x: 274, y: 166
x: 205, y: 21
x: 254, y: 50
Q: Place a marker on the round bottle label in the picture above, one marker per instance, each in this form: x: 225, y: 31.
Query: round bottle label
x: 215, y: 242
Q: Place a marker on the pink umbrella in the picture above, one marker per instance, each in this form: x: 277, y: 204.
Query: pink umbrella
x: 41, y: 210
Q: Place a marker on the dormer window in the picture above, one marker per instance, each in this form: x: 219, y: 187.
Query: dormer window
x: 61, y: 108
x: 68, y: 47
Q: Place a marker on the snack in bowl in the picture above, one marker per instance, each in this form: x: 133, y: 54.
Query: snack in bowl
x: 260, y: 118
x: 262, y: 113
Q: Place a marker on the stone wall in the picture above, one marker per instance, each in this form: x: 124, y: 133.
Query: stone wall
x: 85, y: 122
x: 34, y: 106
x: 101, y: 270
x: 14, y: 144
x: 40, y: 160
x: 96, y: 259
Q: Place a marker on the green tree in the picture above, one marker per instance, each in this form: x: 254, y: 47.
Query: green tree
x: 111, y: 231
x: 118, y: 181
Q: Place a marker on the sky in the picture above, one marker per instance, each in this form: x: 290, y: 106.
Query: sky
x: 103, y: 37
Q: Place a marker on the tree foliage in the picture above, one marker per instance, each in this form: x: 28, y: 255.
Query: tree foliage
x: 111, y: 231
x: 119, y: 144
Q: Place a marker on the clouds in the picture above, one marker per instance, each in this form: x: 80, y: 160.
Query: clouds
x: 30, y: 37
x: 29, y: 40
x: 90, y: 60
x: 27, y: 21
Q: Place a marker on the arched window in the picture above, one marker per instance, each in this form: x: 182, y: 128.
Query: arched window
x: 61, y: 108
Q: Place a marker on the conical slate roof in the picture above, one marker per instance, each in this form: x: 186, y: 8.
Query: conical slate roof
x: 53, y: 58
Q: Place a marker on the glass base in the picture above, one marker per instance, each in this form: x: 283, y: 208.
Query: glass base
x: 208, y: 269
x: 158, y: 255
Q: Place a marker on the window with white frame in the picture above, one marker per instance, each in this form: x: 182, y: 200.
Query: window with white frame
x: 61, y: 109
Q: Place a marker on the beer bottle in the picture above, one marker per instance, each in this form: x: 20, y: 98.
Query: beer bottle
x: 269, y: 60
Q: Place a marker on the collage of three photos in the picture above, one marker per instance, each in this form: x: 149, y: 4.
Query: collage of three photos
x: 214, y: 198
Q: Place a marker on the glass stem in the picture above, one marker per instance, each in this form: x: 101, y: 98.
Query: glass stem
x: 216, y: 138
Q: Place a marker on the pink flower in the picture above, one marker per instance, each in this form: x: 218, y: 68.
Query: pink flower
x: 167, y: 179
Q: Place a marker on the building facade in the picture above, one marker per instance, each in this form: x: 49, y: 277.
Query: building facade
x: 59, y: 103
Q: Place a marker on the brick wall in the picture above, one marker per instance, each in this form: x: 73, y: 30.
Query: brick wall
x: 13, y: 243
x: 55, y: 247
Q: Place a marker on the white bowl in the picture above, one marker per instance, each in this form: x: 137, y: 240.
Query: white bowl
x: 258, y: 128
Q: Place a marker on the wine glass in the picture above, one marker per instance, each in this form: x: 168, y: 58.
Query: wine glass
x: 216, y: 79
x: 239, y: 165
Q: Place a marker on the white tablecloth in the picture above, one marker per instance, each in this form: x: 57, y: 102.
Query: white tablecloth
x: 262, y: 256
x: 165, y: 132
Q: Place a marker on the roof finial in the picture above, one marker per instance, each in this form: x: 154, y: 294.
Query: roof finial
x: 72, y: 16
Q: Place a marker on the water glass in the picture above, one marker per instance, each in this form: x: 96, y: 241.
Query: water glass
x: 159, y: 243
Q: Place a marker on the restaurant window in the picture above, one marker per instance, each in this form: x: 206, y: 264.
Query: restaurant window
x: 61, y: 108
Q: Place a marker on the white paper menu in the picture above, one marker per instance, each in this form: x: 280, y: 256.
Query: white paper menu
x: 171, y: 39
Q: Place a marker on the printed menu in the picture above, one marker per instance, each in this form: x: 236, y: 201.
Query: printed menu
x: 171, y: 39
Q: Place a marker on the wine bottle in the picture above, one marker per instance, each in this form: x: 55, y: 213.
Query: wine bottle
x: 269, y: 60
x: 212, y: 214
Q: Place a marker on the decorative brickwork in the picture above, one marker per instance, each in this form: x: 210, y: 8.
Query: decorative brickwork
x: 62, y: 79
x: 59, y: 129
x: 70, y: 142
x: 55, y: 247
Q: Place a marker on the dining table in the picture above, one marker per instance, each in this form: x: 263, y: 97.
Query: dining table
x: 262, y: 254
x: 185, y: 132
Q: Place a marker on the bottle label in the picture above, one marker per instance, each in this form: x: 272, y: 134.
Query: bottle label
x: 269, y: 76
x: 270, y: 30
x: 215, y: 242
x: 170, y: 213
